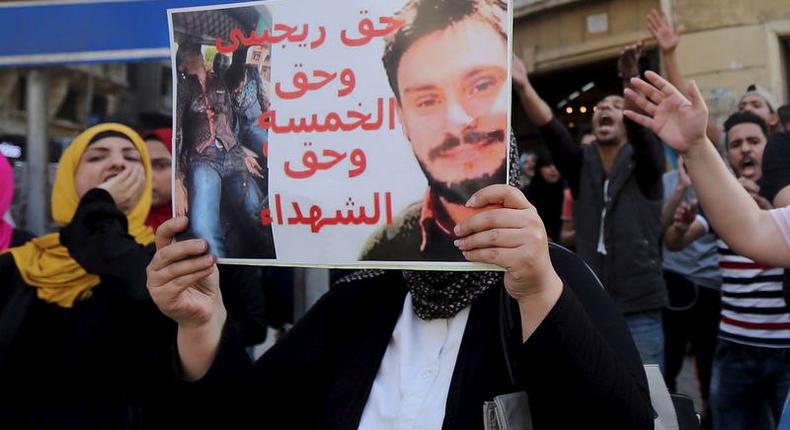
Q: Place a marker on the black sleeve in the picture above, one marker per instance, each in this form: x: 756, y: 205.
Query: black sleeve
x: 582, y: 355
x: 279, y: 387
x: 648, y: 160
x: 242, y: 294
x: 98, y: 239
x: 567, y: 154
x: 776, y: 165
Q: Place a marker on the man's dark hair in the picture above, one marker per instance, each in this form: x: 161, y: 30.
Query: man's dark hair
x: 423, y: 17
x: 744, y: 118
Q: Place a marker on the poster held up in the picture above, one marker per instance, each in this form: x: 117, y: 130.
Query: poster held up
x: 339, y: 135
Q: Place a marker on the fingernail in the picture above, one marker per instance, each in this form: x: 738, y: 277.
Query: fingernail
x: 465, y: 254
x: 457, y: 230
x: 471, y: 202
x: 456, y: 243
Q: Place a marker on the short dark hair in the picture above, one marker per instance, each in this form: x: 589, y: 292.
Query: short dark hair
x: 744, y: 118
x: 423, y: 17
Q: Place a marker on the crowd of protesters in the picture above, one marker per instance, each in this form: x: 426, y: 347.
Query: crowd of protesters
x: 691, y: 259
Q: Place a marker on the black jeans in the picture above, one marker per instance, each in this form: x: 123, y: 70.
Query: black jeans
x: 691, y: 318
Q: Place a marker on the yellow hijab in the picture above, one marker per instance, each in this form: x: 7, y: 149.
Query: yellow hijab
x: 43, y: 262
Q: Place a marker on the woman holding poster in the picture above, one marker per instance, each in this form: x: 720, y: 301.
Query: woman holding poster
x: 418, y: 349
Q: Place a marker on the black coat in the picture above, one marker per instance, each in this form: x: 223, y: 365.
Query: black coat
x: 631, y: 269
x: 98, y: 364
x: 580, y: 367
x: 115, y: 346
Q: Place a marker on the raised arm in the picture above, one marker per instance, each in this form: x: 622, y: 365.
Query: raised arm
x: 648, y: 152
x: 567, y: 155
x: 681, y: 122
x: 668, y: 39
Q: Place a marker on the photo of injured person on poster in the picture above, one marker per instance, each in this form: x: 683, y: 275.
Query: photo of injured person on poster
x: 339, y: 134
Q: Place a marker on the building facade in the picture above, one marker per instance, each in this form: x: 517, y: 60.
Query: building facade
x: 726, y: 46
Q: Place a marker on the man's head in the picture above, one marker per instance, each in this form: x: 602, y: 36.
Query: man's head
x: 448, y: 69
x: 158, y: 143
x: 746, y: 138
x: 607, y: 123
x: 759, y: 102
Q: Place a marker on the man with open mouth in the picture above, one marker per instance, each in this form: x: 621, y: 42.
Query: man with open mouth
x: 616, y: 183
x: 751, y: 373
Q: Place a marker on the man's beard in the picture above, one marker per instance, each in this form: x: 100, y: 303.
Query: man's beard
x: 460, y: 192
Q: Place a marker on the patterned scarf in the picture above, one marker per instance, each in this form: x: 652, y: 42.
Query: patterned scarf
x: 438, y: 294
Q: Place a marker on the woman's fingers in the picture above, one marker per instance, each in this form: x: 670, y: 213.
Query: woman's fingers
x: 178, y: 251
x: 499, y: 194
x: 170, y: 272
x: 494, y: 238
x: 168, y: 230
x: 492, y: 219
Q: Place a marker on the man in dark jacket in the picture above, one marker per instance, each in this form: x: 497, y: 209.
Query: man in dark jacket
x: 617, y: 190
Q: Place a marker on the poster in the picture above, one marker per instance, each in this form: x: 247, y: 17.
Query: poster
x: 339, y: 134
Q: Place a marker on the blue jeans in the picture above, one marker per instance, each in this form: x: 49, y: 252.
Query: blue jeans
x: 648, y: 334
x: 784, y: 422
x: 745, y: 380
x: 216, y: 177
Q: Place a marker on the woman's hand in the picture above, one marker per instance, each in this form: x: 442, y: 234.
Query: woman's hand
x: 182, y: 277
x: 126, y: 187
x: 184, y: 283
x: 512, y: 236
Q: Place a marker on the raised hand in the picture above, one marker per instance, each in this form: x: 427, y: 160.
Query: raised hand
x: 519, y: 71
x: 685, y: 215
x: 628, y: 62
x: 667, y: 37
x: 678, y: 121
x: 126, y: 187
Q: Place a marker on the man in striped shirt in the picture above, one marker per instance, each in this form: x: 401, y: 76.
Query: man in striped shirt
x: 751, y: 368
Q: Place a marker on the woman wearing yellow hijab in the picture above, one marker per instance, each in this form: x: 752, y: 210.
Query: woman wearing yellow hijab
x: 73, y: 305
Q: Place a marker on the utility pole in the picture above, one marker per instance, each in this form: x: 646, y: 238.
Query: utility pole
x: 37, y: 152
